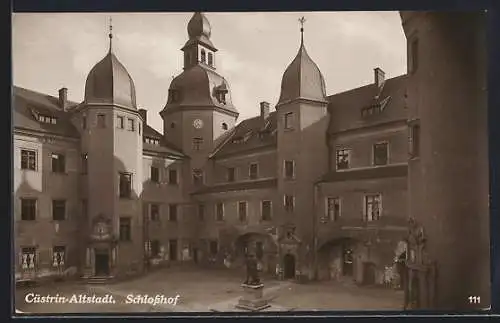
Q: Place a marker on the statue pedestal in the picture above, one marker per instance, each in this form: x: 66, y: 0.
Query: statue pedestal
x: 252, y: 299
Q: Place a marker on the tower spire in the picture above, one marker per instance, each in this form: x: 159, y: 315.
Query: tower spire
x: 302, y: 20
x: 110, y: 35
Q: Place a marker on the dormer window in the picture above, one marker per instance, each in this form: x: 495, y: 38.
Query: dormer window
x: 210, y: 59
x: 203, y: 56
x: 224, y: 126
x: 151, y: 141
x: 47, y: 119
x: 174, y: 95
x: 220, y: 93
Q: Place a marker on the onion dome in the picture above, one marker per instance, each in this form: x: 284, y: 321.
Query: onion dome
x: 110, y: 83
x: 302, y: 79
x: 199, y: 31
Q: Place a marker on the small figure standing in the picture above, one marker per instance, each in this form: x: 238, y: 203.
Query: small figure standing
x: 252, y: 271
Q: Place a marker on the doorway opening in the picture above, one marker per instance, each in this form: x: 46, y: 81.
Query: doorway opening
x: 347, y: 265
x: 289, y: 266
x: 101, y: 262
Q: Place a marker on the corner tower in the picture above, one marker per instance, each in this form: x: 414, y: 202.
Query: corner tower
x: 448, y: 166
x: 199, y: 108
x: 302, y: 124
x: 111, y: 132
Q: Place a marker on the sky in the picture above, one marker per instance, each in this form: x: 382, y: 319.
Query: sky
x: 54, y: 50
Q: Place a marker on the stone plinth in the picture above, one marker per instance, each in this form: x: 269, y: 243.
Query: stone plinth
x: 252, y: 299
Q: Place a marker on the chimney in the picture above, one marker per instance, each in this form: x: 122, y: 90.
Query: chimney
x: 379, y: 76
x: 144, y: 115
x: 63, y: 98
x: 264, y: 110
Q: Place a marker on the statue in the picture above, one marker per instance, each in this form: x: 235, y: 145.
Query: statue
x: 252, y: 271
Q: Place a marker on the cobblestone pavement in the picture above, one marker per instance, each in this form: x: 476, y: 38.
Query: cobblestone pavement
x: 206, y: 290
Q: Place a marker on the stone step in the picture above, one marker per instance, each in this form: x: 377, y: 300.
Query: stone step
x: 98, y: 280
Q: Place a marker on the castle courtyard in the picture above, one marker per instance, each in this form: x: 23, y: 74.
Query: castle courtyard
x: 206, y: 290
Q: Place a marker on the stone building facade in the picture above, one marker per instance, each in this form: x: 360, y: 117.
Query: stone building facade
x: 317, y: 188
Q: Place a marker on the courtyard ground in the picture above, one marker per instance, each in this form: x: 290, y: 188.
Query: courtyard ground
x: 208, y: 290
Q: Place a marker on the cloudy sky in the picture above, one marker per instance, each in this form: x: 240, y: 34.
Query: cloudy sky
x: 55, y: 50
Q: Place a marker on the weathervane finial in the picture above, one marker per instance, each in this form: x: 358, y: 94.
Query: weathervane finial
x: 302, y: 20
x: 110, y: 35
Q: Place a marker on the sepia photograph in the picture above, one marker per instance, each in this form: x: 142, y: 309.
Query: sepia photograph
x: 250, y: 162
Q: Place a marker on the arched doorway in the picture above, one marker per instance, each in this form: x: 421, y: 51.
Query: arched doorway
x: 289, y: 266
x: 259, y: 244
x: 336, y: 259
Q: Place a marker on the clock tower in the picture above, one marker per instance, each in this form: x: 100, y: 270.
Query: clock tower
x: 199, y: 108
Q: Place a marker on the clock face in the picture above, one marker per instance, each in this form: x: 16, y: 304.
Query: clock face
x: 198, y: 123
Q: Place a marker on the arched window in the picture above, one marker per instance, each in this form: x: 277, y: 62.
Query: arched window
x: 224, y: 126
x: 172, y: 125
x: 210, y: 59
x: 203, y: 56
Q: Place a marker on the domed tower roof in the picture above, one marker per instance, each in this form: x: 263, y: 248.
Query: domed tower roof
x: 200, y: 87
x: 110, y: 83
x: 302, y: 79
x: 199, y: 30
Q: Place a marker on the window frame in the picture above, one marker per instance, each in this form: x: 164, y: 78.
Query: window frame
x: 173, y: 216
x: 223, y: 215
x: 288, y: 121
x: 58, y: 165
x: 62, y: 208
x: 338, y: 154
x: 154, y: 216
x: 373, y: 197
x: 256, y: 164
x: 262, y: 203
x: 125, y: 228
x: 285, y: 169
x: 32, y: 216
x: 101, y: 120
x: 156, y: 178
x: 387, y: 153
x: 291, y: 208
x: 31, y: 162
x: 333, y: 217
x: 122, y: 194
x: 120, y: 122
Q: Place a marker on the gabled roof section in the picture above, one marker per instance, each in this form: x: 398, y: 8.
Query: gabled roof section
x: 165, y: 146
x: 250, y: 134
x: 29, y: 105
x: 368, y: 105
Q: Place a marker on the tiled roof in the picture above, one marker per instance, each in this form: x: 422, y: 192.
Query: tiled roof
x: 28, y: 104
x: 346, y: 108
x: 250, y: 134
x: 366, y: 173
x: 164, y: 147
x: 238, y: 186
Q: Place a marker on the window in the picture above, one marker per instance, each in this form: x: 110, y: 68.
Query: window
x: 289, y: 202
x: 154, y: 212
x: 28, y: 159
x: 101, y: 120
x: 289, y: 120
x: 197, y: 176
x: 214, y: 247
x: 125, y: 185
x: 28, y: 209
x: 413, y: 59
x: 259, y: 250
x: 201, y: 212
x: 85, y: 163
x: 224, y: 126
x: 155, y: 174
x: 219, y: 212
x: 172, y: 176
x: 415, y: 141
x: 58, y: 210
x: 289, y: 169
x: 155, y: 248
x: 58, y: 256
x: 266, y: 210
x: 254, y: 171
x: 242, y: 211
x: 203, y: 57
x: 172, y: 212
x: 231, y: 174
x: 197, y: 142
x: 84, y: 122
x: 343, y: 157
x: 131, y: 125
x: 28, y: 258
x: 373, y: 207
x: 58, y: 163
x: 210, y: 59
x: 151, y: 141
x: 333, y: 208
x: 47, y: 119
x: 125, y: 229
x: 120, y: 122
x: 380, y: 154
